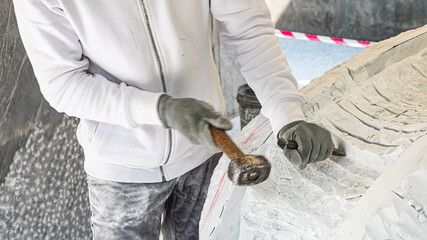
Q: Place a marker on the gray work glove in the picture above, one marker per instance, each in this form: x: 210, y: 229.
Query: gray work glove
x: 192, y: 118
x: 314, y: 143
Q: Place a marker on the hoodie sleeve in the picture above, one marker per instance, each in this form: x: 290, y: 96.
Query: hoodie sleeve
x: 61, y: 69
x: 247, y: 26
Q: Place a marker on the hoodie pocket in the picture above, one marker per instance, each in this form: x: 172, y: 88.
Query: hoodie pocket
x: 92, y: 132
x: 138, y: 148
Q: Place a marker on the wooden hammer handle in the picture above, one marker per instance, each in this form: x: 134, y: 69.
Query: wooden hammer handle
x: 225, y: 143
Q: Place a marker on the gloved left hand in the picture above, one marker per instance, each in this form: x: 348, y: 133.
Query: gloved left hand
x: 314, y: 143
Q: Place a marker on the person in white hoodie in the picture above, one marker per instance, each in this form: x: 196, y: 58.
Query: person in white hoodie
x: 141, y: 77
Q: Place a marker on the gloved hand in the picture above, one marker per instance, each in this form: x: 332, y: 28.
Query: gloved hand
x: 314, y: 143
x: 192, y: 118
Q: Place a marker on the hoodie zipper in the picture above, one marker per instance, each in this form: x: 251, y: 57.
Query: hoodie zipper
x: 144, y: 9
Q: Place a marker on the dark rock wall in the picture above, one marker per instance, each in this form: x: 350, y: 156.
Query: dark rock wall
x: 42, y: 182
x: 372, y: 20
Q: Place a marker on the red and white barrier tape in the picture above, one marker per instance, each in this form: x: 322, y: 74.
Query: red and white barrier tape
x: 320, y: 38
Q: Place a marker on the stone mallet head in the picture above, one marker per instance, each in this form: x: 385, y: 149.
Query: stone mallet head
x: 243, y: 170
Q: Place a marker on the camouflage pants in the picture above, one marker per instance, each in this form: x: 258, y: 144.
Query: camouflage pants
x: 135, y: 210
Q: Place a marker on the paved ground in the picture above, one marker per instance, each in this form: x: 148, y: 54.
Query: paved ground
x: 309, y: 60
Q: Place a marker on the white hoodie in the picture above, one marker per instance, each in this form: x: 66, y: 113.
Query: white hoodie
x: 107, y: 62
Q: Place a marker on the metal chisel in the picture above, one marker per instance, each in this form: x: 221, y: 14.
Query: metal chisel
x: 290, y: 144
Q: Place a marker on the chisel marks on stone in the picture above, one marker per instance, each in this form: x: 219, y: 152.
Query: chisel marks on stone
x: 346, y: 132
